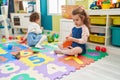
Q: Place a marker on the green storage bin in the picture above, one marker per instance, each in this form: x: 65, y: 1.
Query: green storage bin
x: 115, y: 35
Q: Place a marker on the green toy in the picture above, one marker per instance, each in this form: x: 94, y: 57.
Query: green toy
x: 50, y: 37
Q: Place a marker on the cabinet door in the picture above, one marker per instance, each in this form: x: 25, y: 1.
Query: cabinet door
x: 65, y: 28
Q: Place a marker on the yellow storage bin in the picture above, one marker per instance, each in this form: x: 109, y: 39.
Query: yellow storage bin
x: 101, y: 20
x: 116, y: 20
x: 96, y: 38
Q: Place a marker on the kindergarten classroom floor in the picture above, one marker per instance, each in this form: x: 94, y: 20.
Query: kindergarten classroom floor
x: 107, y: 68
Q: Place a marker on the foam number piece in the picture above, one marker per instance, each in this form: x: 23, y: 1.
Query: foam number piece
x: 36, y: 60
x: 9, y: 68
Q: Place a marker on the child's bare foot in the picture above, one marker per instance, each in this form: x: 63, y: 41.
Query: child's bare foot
x: 58, y: 52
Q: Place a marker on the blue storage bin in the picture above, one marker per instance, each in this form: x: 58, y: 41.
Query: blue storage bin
x: 115, y: 35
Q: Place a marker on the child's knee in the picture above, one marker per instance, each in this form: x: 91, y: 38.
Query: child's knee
x: 60, y: 45
x: 77, y: 50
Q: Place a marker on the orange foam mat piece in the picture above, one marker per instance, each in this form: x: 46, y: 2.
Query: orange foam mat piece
x: 77, y: 62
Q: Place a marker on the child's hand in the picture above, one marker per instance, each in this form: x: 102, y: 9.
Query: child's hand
x: 69, y: 38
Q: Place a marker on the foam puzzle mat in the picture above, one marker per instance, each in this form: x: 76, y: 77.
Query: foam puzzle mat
x: 44, y: 65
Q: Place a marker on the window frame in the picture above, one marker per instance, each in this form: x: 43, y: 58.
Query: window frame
x: 57, y: 13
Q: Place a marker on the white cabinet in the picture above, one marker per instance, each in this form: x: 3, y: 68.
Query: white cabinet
x: 66, y: 26
x: 20, y: 20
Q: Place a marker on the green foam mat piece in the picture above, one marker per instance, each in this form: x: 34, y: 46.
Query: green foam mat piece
x: 95, y: 55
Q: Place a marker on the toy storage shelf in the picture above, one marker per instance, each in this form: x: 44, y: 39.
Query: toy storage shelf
x: 67, y: 24
x: 107, y: 22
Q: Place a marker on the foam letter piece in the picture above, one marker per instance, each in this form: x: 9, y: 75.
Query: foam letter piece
x: 54, y: 70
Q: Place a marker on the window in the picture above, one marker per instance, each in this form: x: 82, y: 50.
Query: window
x: 54, y: 6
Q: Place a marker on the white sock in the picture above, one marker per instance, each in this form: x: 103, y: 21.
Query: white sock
x: 44, y: 37
x: 39, y: 46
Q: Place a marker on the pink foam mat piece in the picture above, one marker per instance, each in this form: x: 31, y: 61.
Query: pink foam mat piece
x: 77, y: 62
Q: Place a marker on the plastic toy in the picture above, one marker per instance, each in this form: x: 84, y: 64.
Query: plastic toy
x: 21, y: 38
x: 3, y: 39
x: 99, y: 2
x: 95, y: 5
x: 97, y: 48
x: 66, y: 44
x: 56, y: 36
x: 103, y: 49
x: 10, y: 37
x: 3, y: 36
x: 50, y: 37
x: 10, y: 46
x: 18, y: 37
